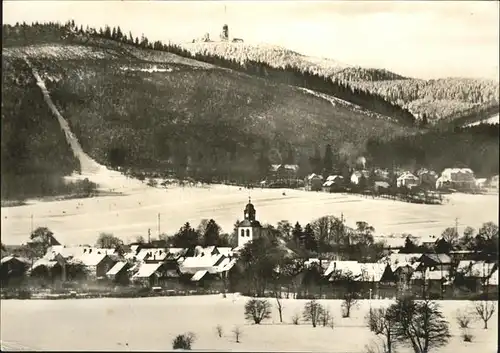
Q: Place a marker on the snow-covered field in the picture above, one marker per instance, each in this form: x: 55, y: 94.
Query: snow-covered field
x: 80, y: 221
x: 492, y: 120
x: 152, y: 323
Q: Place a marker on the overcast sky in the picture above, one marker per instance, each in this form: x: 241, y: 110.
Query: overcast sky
x: 420, y: 39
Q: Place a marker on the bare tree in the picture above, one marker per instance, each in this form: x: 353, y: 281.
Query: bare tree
x: 327, y: 318
x: 237, y: 333
x: 381, y: 322
x: 257, y: 310
x: 421, y: 323
x: 450, y: 235
x: 350, y: 300
x: 219, y: 330
x: 464, y: 318
x: 295, y: 319
x: 279, y: 305
x: 312, y: 312
x: 485, y: 310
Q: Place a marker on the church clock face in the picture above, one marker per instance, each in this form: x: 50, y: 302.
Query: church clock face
x: 246, y: 214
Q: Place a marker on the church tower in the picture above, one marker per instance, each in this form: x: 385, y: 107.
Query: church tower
x: 249, y: 228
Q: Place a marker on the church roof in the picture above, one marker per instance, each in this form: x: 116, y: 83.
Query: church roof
x: 248, y: 223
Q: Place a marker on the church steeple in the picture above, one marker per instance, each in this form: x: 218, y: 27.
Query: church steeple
x: 249, y: 211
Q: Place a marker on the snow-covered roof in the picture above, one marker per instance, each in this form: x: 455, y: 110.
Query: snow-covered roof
x: 226, y: 251
x: 93, y: 259
x: 407, y: 175
x: 334, y: 177
x: 10, y: 257
x: 198, y: 275
x: 314, y: 176
x: 372, y: 272
x: 152, y: 254
x: 116, y: 268
x: 146, y: 270
x: 395, y: 259
x: 201, y: 262
x: 493, y: 280
x: 343, y: 268
x: 479, y: 269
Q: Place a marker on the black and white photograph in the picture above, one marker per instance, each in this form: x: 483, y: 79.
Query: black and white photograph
x: 250, y: 176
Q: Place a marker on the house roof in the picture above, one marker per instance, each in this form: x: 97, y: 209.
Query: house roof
x: 395, y: 259
x: 334, y: 177
x: 198, y: 275
x: 293, y: 167
x: 313, y: 176
x: 358, y: 173
x: 152, y: 254
x: 439, y: 258
x: 226, y: 251
x: 146, y: 270
x: 407, y: 175
x: 275, y: 167
x: 344, y: 267
x: 493, y: 280
x: 9, y: 258
x: 479, y: 269
x: 44, y: 262
x: 382, y: 184
x: 93, y: 259
x: 457, y: 170
x: 116, y: 268
x: 372, y: 272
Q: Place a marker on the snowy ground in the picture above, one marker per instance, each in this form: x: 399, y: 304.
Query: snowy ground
x: 152, y: 323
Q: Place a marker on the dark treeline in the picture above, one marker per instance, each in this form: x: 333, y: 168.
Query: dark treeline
x: 27, y: 34
x: 475, y: 147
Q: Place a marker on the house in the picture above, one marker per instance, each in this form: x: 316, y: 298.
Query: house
x: 358, y: 176
x: 474, y: 274
x: 481, y: 183
x: 97, y: 264
x: 191, y: 265
x: 333, y: 183
x: 381, y: 186
x: 494, y: 182
x: 398, y: 259
x: 434, y: 280
x: 456, y: 178
x: 377, y: 272
x: 283, y: 171
x: 427, y: 177
x: 313, y: 182
x: 13, y: 269
x: 381, y: 175
x: 433, y: 262
x: 407, y: 180
x: 148, y: 274
x: 119, y: 273
x: 338, y: 270
x: 46, y: 270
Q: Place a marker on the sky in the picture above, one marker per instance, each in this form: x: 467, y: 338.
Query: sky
x: 424, y: 39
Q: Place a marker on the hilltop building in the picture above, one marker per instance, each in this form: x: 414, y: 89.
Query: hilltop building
x: 249, y: 228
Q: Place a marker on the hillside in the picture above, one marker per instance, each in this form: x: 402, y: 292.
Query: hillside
x: 177, y: 114
x: 436, y: 99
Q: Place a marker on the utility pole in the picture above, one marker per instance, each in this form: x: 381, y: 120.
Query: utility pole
x: 159, y: 225
x: 149, y: 236
x: 456, y: 225
x: 31, y: 223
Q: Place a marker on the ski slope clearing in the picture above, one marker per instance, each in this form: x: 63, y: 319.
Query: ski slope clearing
x: 81, y: 221
x: 152, y: 323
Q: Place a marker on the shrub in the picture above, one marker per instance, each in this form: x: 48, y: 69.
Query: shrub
x: 219, y: 330
x: 257, y: 310
x: 313, y: 311
x: 237, y: 334
x: 24, y: 294
x: 295, y: 319
x: 183, y: 341
x: 467, y: 337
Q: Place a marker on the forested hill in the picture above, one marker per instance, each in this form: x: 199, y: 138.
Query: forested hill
x: 442, y: 99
